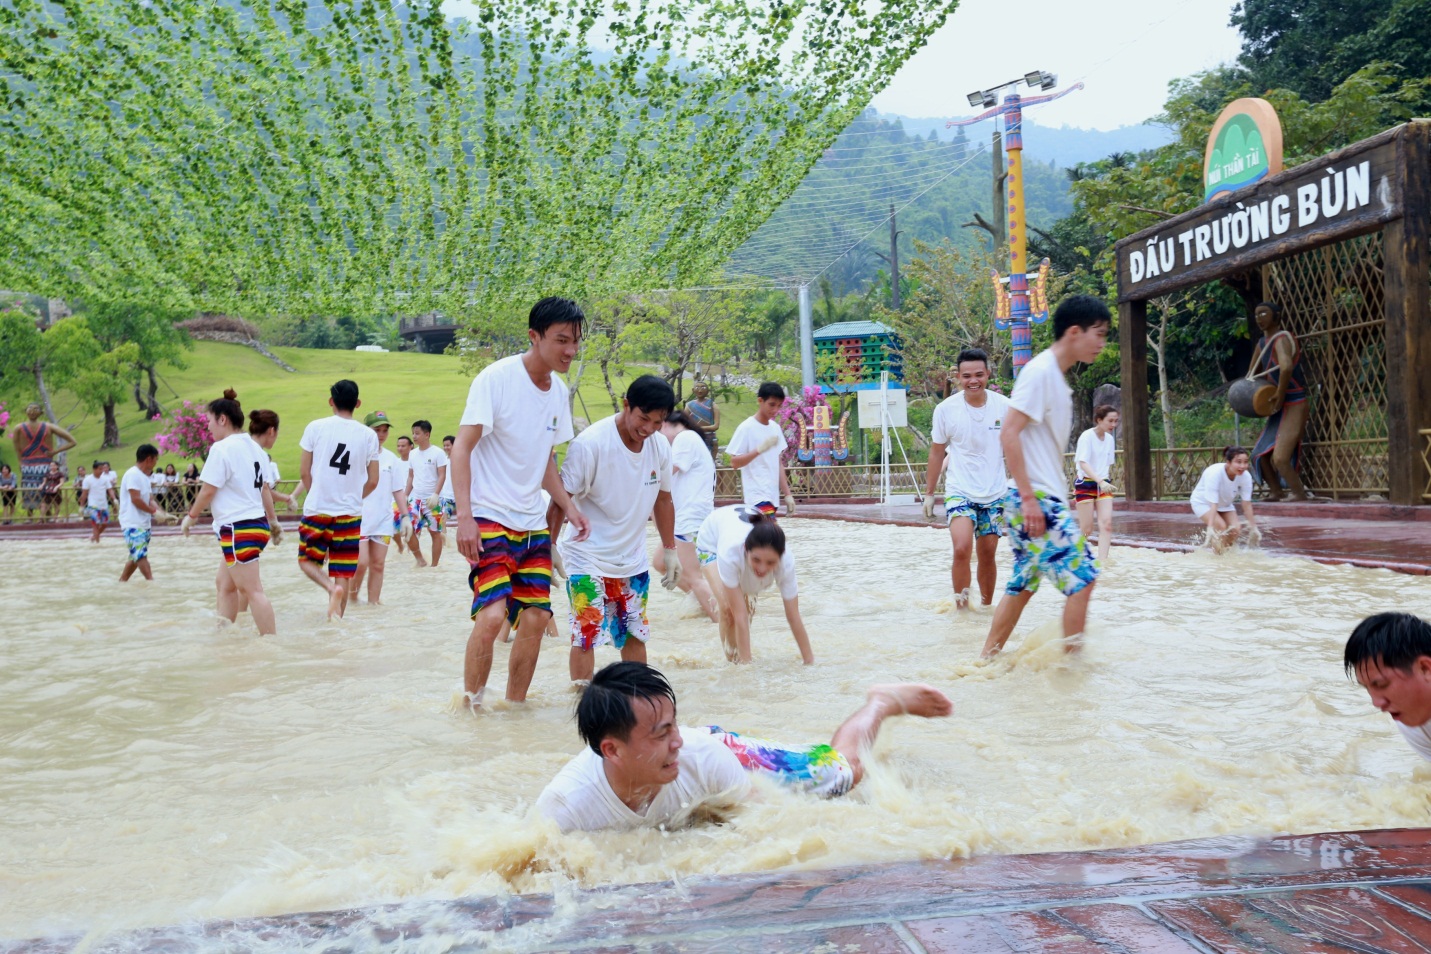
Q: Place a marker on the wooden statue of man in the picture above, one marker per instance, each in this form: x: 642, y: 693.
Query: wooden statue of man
x: 35, y: 446
x: 1278, y: 358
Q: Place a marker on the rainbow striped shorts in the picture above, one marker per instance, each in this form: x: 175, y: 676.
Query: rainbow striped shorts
x: 335, y: 540
x: 817, y: 769
x: 515, y: 567
x: 243, y: 542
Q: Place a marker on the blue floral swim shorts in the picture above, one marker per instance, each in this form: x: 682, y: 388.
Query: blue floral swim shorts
x: 988, y: 518
x: 137, y: 540
x: 1060, y: 553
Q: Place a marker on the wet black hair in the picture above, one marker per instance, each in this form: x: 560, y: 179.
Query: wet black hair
x: 145, y: 451
x: 764, y: 532
x: 425, y: 426
x: 555, y: 311
x: 344, y: 394
x: 1230, y: 452
x: 649, y: 393
x: 1083, y: 311
x: 604, y: 709
x: 770, y: 389
x: 1387, y: 641
x: 972, y: 354
x: 228, y: 407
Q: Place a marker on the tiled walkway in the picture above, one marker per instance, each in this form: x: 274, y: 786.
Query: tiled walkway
x: 1363, y: 892
x: 1397, y: 538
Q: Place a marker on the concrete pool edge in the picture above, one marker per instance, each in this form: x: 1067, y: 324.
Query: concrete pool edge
x: 1223, y: 893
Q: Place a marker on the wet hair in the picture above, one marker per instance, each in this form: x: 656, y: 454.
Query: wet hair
x: 144, y: 452
x: 649, y: 393
x: 228, y: 408
x: 1230, y: 452
x: 972, y: 354
x: 344, y: 394
x: 764, y: 532
x: 555, y: 311
x: 1387, y: 641
x: 1103, y: 410
x: 682, y: 417
x: 1083, y: 311
x: 261, y: 422
x: 424, y: 426
x: 770, y: 389
x: 604, y: 709
x: 449, y: 437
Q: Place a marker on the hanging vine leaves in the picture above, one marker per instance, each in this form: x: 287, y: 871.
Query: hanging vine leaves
x: 304, y: 157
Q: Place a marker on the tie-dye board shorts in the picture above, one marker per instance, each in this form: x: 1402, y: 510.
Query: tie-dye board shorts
x: 137, y: 539
x: 607, y: 609
x: 1060, y: 553
x: 988, y: 518
x: 817, y: 769
x: 425, y: 516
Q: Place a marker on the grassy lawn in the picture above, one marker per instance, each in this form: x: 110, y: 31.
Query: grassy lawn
x: 406, y: 386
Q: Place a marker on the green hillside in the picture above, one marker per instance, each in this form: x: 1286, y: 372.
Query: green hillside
x: 405, y: 385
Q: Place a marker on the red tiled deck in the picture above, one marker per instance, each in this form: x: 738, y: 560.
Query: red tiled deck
x: 1370, y: 535
x: 1351, y: 891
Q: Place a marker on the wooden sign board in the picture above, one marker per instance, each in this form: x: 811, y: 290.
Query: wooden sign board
x: 1349, y: 192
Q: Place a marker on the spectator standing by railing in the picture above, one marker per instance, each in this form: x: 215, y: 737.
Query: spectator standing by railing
x: 8, y: 485
x: 51, y: 489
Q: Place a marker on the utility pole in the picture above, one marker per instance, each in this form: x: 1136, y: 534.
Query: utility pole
x: 892, y: 260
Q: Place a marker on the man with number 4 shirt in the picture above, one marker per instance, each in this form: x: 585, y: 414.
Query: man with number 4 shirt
x: 339, y: 467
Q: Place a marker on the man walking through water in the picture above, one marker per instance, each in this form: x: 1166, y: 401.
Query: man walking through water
x: 641, y: 770
x: 618, y: 471
x: 346, y: 453
x: 35, y: 446
x: 137, y: 510
x: 429, y: 471
x: 1043, y: 532
x: 966, y: 428
x: 517, y: 413
x: 755, y: 450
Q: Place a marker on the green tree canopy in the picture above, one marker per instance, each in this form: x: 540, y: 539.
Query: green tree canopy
x: 320, y: 157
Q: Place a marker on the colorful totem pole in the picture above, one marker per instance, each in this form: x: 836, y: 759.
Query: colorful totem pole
x: 1012, y: 309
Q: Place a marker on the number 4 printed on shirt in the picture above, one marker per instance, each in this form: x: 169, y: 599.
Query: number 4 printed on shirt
x: 257, y: 476
x: 342, y: 460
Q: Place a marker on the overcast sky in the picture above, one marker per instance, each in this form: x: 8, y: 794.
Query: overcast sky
x: 1124, y: 51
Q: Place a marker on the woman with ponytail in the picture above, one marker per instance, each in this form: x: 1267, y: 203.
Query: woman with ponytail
x: 233, y: 485
x: 742, y: 552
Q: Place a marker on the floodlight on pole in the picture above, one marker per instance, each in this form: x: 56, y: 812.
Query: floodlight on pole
x: 1012, y: 311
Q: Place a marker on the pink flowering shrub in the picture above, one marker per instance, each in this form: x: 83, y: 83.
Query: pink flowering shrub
x: 4, y: 418
x: 185, y: 432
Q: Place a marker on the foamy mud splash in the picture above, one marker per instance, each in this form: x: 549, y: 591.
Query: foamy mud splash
x: 155, y: 768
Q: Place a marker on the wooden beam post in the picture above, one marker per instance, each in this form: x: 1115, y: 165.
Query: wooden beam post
x: 1408, y: 320
x: 1133, y: 351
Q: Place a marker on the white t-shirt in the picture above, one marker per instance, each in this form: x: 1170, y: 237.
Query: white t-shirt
x: 580, y: 797
x: 446, y: 492
x: 130, y: 516
x: 692, y: 481
x: 975, y: 465
x: 723, y: 533
x: 521, y: 426
x: 425, y: 465
x: 97, y: 490
x: 1214, y: 489
x: 378, y: 505
x: 402, y: 470
x: 236, y: 466
x: 1042, y: 393
x: 1097, y: 454
x: 759, y: 479
x: 271, y: 475
x: 342, y: 448
x: 615, y: 489
x: 1419, y: 738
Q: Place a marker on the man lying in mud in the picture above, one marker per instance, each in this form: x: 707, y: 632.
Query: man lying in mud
x: 641, y: 770
x: 1390, y: 655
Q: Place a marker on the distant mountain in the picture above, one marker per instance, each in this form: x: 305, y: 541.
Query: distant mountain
x: 1064, y: 146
